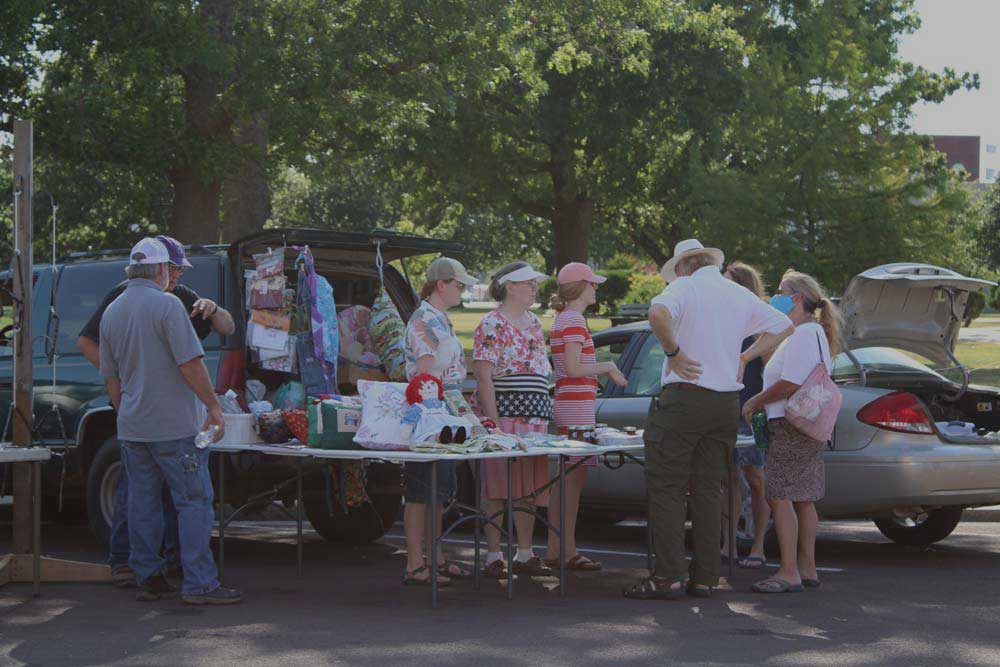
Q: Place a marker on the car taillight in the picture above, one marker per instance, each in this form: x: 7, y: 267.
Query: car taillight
x: 899, y: 411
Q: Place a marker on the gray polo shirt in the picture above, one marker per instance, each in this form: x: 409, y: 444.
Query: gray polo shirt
x: 145, y: 336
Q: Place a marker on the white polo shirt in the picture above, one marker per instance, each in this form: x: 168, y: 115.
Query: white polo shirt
x: 710, y: 316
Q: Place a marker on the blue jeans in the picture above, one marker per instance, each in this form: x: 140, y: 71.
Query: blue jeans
x: 184, y: 467
x: 118, y: 544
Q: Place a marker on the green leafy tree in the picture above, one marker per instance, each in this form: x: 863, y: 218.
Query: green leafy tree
x: 818, y: 170
x: 988, y: 233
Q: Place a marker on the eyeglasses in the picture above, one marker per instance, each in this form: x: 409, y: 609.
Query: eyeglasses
x: 179, y: 270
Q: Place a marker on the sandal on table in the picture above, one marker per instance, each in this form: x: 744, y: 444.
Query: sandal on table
x: 753, y: 562
x: 454, y: 570
x: 651, y: 589
x: 775, y: 585
x: 577, y: 562
x: 411, y: 578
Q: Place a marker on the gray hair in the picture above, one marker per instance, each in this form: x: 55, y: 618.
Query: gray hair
x: 147, y: 271
x: 689, y: 265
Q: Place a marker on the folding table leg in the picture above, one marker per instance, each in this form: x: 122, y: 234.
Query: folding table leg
x: 36, y: 537
x: 562, y: 526
x: 298, y: 516
x: 432, y: 537
x: 510, y: 528
x: 732, y: 519
x: 222, y: 513
x: 476, y: 568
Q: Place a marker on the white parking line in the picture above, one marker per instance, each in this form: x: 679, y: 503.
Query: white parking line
x: 603, y: 552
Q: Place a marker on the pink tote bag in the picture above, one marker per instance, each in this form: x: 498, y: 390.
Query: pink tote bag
x: 814, y: 406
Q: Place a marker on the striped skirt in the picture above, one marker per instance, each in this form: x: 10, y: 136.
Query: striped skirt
x: 575, y: 413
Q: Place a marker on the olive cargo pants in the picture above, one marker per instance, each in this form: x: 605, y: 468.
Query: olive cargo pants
x: 690, y: 435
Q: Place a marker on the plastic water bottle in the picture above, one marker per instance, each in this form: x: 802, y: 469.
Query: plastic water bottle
x: 206, y: 437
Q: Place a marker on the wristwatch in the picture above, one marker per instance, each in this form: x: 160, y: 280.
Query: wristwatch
x: 674, y: 353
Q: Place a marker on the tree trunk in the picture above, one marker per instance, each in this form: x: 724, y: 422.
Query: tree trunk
x: 195, y: 216
x: 246, y: 193
x: 572, y: 223
x: 573, y: 210
x: 197, y: 190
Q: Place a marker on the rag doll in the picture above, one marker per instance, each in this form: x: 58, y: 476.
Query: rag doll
x: 429, y: 414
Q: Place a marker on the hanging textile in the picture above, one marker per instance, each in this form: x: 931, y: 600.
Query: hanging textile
x: 316, y: 305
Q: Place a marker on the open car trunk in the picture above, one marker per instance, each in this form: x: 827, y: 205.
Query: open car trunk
x: 918, y: 309
x: 350, y: 262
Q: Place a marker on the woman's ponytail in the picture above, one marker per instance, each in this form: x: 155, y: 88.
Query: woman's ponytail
x: 833, y: 324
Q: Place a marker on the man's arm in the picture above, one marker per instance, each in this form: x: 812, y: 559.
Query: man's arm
x: 91, y: 350
x: 661, y: 323
x: 196, y: 376
x: 766, y: 342
x: 221, y: 320
x: 114, y: 386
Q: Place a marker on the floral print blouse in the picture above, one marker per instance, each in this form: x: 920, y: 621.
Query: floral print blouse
x: 510, y: 350
x: 430, y: 332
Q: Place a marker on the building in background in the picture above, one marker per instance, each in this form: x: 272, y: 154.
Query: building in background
x: 981, y: 159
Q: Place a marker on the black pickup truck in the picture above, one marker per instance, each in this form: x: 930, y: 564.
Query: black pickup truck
x: 72, y: 415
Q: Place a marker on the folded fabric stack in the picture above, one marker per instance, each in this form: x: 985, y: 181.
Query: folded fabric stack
x: 489, y: 442
x: 470, y: 446
x: 270, y: 313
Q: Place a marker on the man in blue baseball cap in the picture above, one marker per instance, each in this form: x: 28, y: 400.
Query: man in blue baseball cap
x: 206, y: 316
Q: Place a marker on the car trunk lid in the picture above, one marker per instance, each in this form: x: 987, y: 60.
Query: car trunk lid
x: 913, y: 307
x: 330, y: 248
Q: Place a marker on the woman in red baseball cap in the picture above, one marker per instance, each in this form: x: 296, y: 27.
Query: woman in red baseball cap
x: 575, y: 401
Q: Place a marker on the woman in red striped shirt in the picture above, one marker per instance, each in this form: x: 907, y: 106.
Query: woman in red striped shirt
x: 575, y: 401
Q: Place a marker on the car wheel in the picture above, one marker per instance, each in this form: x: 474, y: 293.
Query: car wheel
x: 101, y: 479
x: 922, y: 529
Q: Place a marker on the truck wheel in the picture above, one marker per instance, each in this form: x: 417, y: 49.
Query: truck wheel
x: 101, y: 479
x: 922, y: 529
x: 359, y: 526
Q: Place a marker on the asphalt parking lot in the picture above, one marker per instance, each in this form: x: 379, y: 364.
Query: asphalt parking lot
x: 881, y: 603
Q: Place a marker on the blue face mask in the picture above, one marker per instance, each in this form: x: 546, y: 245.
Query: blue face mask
x: 783, y: 302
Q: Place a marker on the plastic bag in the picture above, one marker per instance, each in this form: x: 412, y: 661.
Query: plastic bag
x: 270, y: 263
x: 230, y: 404
x: 268, y: 293
x: 387, y: 331
x: 290, y: 396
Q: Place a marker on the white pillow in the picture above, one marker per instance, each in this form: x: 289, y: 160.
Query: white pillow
x: 383, y: 405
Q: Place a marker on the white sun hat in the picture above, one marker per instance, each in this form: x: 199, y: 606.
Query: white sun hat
x: 687, y: 249
x: 522, y: 274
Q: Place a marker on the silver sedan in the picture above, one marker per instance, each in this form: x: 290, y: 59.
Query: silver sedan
x: 912, y: 448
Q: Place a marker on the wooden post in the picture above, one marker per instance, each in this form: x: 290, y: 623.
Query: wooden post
x: 20, y: 566
x: 23, y: 375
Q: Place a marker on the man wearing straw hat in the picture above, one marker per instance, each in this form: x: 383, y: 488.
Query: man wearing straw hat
x: 700, y: 320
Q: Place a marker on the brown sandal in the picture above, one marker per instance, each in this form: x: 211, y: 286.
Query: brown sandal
x: 577, y: 562
x: 496, y: 570
x: 533, y: 567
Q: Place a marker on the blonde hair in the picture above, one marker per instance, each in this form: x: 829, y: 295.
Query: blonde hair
x: 498, y: 292
x: 747, y: 276
x: 566, y: 293
x: 813, y: 298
